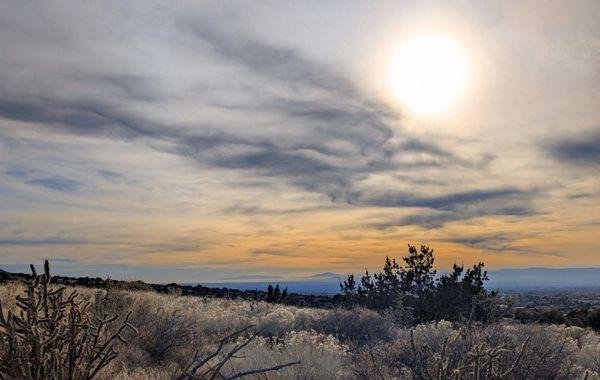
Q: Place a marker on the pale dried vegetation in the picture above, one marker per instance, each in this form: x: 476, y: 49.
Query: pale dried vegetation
x: 176, y: 333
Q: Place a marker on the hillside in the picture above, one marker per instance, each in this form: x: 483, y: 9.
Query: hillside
x: 330, y: 344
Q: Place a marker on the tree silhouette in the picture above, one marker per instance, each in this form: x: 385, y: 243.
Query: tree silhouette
x: 455, y: 296
x: 274, y: 294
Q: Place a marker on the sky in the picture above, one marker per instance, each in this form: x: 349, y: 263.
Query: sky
x: 203, y: 141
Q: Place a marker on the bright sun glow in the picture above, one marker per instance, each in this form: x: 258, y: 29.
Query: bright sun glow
x: 428, y: 74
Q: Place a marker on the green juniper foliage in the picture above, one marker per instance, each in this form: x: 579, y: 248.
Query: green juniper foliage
x: 457, y: 296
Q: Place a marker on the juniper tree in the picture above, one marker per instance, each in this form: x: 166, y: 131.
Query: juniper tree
x: 418, y: 275
x: 274, y: 293
x: 456, y: 296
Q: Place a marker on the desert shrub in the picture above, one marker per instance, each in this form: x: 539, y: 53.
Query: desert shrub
x: 215, y: 365
x: 589, y: 358
x: 128, y: 285
x: 358, y: 325
x: 166, y: 333
x: 204, y: 317
x: 8, y: 293
x: 111, y: 299
x: 215, y: 316
x: 512, y: 351
x: 593, y: 319
x: 276, y: 322
x: 169, y: 331
x: 555, y: 317
x: 551, y: 355
x: 54, y: 335
x: 321, y: 356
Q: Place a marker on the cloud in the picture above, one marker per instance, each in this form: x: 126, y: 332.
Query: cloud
x: 16, y: 172
x: 109, y: 174
x: 63, y: 260
x: 340, y: 138
x: 582, y: 150
x: 251, y: 277
x: 484, y: 240
x: 57, y: 184
x: 327, y: 108
x: 271, y: 252
x: 437, y: 211
x: 501, y: 243
x: 282, y: 64
x: 446, y: 201
x: 42, y: 242
x: 96, y: 117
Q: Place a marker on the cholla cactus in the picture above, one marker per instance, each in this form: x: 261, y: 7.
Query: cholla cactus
x: 54, y: 336
x: 482, y: 362
x: 486, y: 362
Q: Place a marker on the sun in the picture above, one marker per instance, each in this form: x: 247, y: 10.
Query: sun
x: 428, y: 74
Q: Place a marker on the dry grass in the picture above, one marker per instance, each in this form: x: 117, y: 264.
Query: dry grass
x: 329, y: 343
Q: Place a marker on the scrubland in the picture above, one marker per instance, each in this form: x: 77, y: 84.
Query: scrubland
x: 330, y: 343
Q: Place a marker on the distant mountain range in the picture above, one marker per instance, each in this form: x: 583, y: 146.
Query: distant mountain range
x: 556, y: 278
x: 503, y: 279
x: 322, y: 283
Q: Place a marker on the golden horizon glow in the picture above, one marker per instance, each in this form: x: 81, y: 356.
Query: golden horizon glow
x: 428, y: 74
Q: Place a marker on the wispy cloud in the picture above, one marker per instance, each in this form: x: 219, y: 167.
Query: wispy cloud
x: 42, y: 242
x: 503, y: 243
x: 343, y: 138
x: 581, y: 149
x: 251, y: 277
x: 58, y: 184
x: 437, y: 211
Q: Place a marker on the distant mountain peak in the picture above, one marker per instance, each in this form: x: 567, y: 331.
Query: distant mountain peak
x: 326, y: 275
